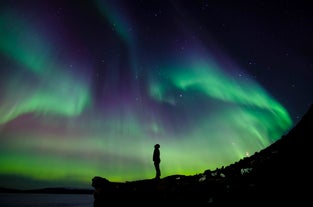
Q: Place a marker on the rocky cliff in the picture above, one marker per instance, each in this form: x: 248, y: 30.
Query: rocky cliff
x: 274, y: 176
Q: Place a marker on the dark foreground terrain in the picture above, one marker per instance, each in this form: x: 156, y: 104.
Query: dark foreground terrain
x: 278, y: 175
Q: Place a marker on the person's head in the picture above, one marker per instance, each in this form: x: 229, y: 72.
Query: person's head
x: 157, y: 146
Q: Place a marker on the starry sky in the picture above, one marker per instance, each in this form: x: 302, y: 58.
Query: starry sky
x: 89, y: 87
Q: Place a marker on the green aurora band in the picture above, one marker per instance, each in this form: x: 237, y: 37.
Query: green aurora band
x: 50, y: 130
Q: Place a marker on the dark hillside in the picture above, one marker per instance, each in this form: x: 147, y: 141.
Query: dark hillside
x: 276, y: 175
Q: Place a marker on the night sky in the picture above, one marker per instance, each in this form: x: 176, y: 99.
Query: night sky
x: 89, y: 87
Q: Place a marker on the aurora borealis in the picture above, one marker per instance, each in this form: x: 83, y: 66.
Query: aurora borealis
x: 89, y: 88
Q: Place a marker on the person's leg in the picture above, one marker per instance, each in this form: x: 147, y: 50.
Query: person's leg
x: 157, y: 169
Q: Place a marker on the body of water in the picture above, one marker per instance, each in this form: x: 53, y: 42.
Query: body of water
x: 45, y: 200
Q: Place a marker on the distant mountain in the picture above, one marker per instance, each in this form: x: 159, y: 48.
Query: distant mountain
x: 48, y: 191
x: 276, y: 175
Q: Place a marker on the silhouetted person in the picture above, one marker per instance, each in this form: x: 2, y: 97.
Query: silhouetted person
x: 157, y: 160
